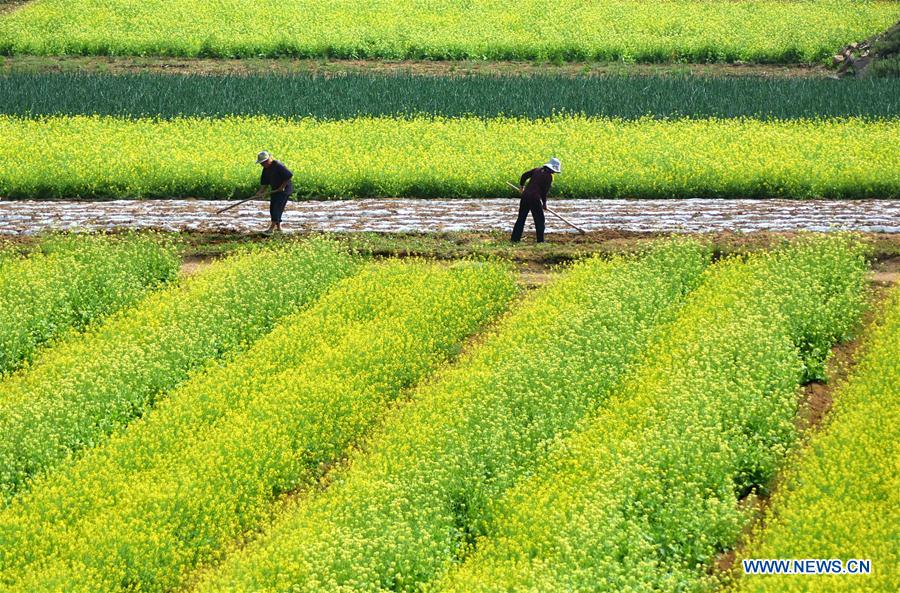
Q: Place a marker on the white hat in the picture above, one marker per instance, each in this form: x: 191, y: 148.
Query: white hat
x: 262, y: 157
x: 554, y: 165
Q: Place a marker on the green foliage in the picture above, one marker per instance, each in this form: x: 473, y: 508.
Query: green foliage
x: 840, y: 498
x: 88, y: 386
x: 73, y: 281
x: 419, y: 492
x: 174, y: 490
x: 447, y: 158
x: 341, y: 97
x: 644, y: 495
x: 671, y: 30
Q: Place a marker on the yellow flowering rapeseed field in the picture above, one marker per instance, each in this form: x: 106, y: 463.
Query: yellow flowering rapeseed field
x: 71, y: 281
x: 420, y: 491
x: 74, y: 394
x: 663, y: 30
x: 643, y: 496
x: 178, y: 487
x: 435, y: 157
x: 842, y: 498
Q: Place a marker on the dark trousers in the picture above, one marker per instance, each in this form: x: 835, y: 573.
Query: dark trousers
x: 536, y: 207
x: 276, y: 205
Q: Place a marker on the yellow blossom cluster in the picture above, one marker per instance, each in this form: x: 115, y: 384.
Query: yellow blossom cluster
x: 841, y: 497
x: 447, y: 158
x: 644, y: 495
x: 178, y: 487
x: 70, y: 281
x: 628, y: 30
x: 89, y: 385
x: 419, y: 492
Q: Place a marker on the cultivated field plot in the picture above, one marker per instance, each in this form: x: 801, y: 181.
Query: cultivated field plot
x: 669, y: 30
x: 420, y: 426
x: 427, y: 157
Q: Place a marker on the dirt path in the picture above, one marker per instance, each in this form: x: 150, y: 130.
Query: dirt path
x: 121, y: 65
x: 410, y: 215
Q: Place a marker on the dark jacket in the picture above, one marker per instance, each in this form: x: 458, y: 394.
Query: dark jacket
x: 539, y: 186
x: 275, y: 175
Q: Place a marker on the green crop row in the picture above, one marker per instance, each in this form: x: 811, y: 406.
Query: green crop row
x: 661, y: 31
x: 72, y: 281
x: 86, y: 387
x: 418, y: 494
x: 645, y: 495
x: 174, y: 490
x: 353, y: 95
x: 841, y: 499
x: 437, y: 157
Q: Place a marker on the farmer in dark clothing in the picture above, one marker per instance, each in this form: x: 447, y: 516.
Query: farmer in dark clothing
x: 534, y: 198
x: 278, y: 178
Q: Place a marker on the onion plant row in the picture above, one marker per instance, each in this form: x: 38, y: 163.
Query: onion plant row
x: 840, y: 500
x: 88, y: 386
x: 72, y: 281
x: 669, y: 30
x: 439, y: 157
x: 176, y: 489
x: 352, y: 95
x: 418, y: 495
x: 646, y: 494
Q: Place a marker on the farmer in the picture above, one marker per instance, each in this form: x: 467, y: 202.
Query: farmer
x: 278, y: 178
x: 534, y: 198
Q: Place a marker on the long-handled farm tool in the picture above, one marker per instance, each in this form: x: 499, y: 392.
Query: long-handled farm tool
x: 236, y: 204
x: 553, y: 212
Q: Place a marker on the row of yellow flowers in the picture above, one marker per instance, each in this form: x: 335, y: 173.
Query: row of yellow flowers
x: 663, y: 30
x: 644, y: 496
x: 105, y: 157
x: 419, y: 491
x: 87, y: 386
x: 71, y: 281
x: 177, y: 488
x: 842, y: 498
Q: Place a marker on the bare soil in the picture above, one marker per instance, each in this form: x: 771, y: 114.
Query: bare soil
x: 323, y: 67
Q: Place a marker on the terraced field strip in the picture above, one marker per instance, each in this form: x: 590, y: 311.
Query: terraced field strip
x: 176, y: 489
x: 456, y: 158
x: 645, y: 494
x: 70, y: 282
x: 352, y: 95
x: 418, y: 494
x: 88, y: 386
x: 30, y: 217
x: 840, y: 498
x: 575, y: 30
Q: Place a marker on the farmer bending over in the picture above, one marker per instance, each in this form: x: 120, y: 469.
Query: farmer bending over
x: 534, y: 198
x: 278, y: 178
